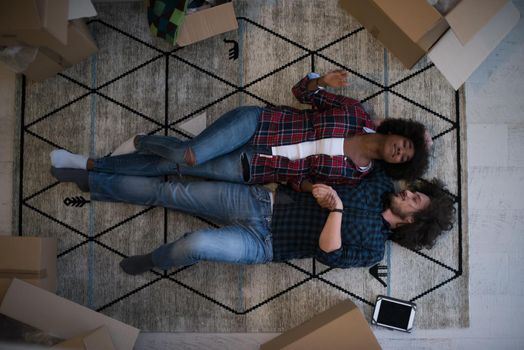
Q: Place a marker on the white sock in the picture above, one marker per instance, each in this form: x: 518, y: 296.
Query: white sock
x: 126, y: 148
x: 60, y: 158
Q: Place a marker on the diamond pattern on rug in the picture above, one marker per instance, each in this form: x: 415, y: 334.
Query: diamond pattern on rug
x: 136, y: 84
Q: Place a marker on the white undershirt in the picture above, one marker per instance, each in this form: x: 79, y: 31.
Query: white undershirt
x: 329, y: 146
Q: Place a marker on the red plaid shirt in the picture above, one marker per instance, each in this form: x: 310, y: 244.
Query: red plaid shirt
x: 334, y: 116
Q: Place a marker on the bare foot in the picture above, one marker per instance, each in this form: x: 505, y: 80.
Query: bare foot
x: 90, y: 164
x: 189, y: 157
x: 135, y: 140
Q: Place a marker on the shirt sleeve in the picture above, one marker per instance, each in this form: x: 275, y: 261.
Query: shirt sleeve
x: 349, y: 256
x: 320, y: 98
x: 350, y: 181
x: 295, y: 184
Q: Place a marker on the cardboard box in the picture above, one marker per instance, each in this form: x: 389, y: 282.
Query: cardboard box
x: 61, y: 317
x: 54, y: 57
x: 32, y: 259
x: 206, y: 23
x: 45, y: 65
x: 99, y: 339
x: 340, y: 327
x: 44, y: 24
x: 80, y: 43
x: 34, y: 20
x: 410, y: 28
x: 457, y: 61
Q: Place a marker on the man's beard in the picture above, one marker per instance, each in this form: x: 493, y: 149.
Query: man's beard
x: 391, y: 204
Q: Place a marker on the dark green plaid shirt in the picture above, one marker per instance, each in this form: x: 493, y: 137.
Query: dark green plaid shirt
x: 298, y: 220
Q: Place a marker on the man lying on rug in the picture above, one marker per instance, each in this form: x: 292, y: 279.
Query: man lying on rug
x: 342, y: 227
x: 335, y: 143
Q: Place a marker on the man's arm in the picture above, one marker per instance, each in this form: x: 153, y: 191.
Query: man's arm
x: 330, y: 238
x: 331, y: 252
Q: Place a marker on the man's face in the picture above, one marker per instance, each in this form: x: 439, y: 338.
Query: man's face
x: 406, y: 203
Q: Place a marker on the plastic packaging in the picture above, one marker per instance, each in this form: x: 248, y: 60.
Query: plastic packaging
x: 18, y: 58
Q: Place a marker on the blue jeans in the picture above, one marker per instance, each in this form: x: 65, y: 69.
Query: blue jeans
x: 218, y: 151
x: 245, y: 212
x: 225, y: 168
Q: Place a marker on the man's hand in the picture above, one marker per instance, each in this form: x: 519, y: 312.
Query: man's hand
x: 336, y: 78
x: 326, y: 197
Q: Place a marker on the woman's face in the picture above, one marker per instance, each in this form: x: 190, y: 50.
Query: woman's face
x: 398, y: 149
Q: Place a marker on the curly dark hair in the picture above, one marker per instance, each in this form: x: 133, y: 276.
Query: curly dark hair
x: 414, y: 131
x: 429, y: 223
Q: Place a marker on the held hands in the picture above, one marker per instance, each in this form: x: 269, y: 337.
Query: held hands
x: 326, y: 197
x: 336, y: 78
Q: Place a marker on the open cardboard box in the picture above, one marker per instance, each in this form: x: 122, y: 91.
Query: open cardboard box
x: 206, y: 23
x: 80, y: 44
x: 457, y: 42
x: 44, y: 24
x: 55, y: 57
x: 339, y: 328
x: 60, y: 317
x: 32, y: 259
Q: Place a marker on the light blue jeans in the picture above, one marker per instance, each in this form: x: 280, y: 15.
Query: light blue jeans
x: 219, y: 151
x: 245, y: 212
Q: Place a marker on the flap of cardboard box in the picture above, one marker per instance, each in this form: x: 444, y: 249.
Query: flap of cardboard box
x: 6, y: 273
x: 206, y: 23
x: 457, y: 62
x: 21, y: 14
x: 408, y: 28
x: 49, y: 16
x: 61, y: 317
x: 99, y: 339
x: 415, y: 18
x: 45, y: 65
x: 48, y: 283
x: 76, y: 343
x: 469, y: 16
x: 25, y: 255
x: 95, y: 340
x: 341, y: 327
x: 80, y: 46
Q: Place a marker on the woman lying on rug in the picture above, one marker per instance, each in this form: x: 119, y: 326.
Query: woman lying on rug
x: 334, y: 143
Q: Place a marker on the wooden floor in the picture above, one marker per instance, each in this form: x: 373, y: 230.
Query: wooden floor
x: 7, y: 130
x: 495, y: 143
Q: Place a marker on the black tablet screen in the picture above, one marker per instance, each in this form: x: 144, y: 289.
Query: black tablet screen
x: 393, y: 314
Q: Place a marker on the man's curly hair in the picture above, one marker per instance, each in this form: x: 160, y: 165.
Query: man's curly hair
x: 429, y: 223
x: 414, y: 168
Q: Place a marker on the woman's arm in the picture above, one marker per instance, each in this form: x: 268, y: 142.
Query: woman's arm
x: 311, y: 91
x: 336, y: 78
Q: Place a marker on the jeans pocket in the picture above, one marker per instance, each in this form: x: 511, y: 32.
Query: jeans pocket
x: 268, y: 241
x: 262, y: 195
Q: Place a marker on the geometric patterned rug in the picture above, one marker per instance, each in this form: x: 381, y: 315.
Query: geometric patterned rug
x: 137, y: 83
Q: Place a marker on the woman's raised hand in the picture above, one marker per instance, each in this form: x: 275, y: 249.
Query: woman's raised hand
x: 336, y: 78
